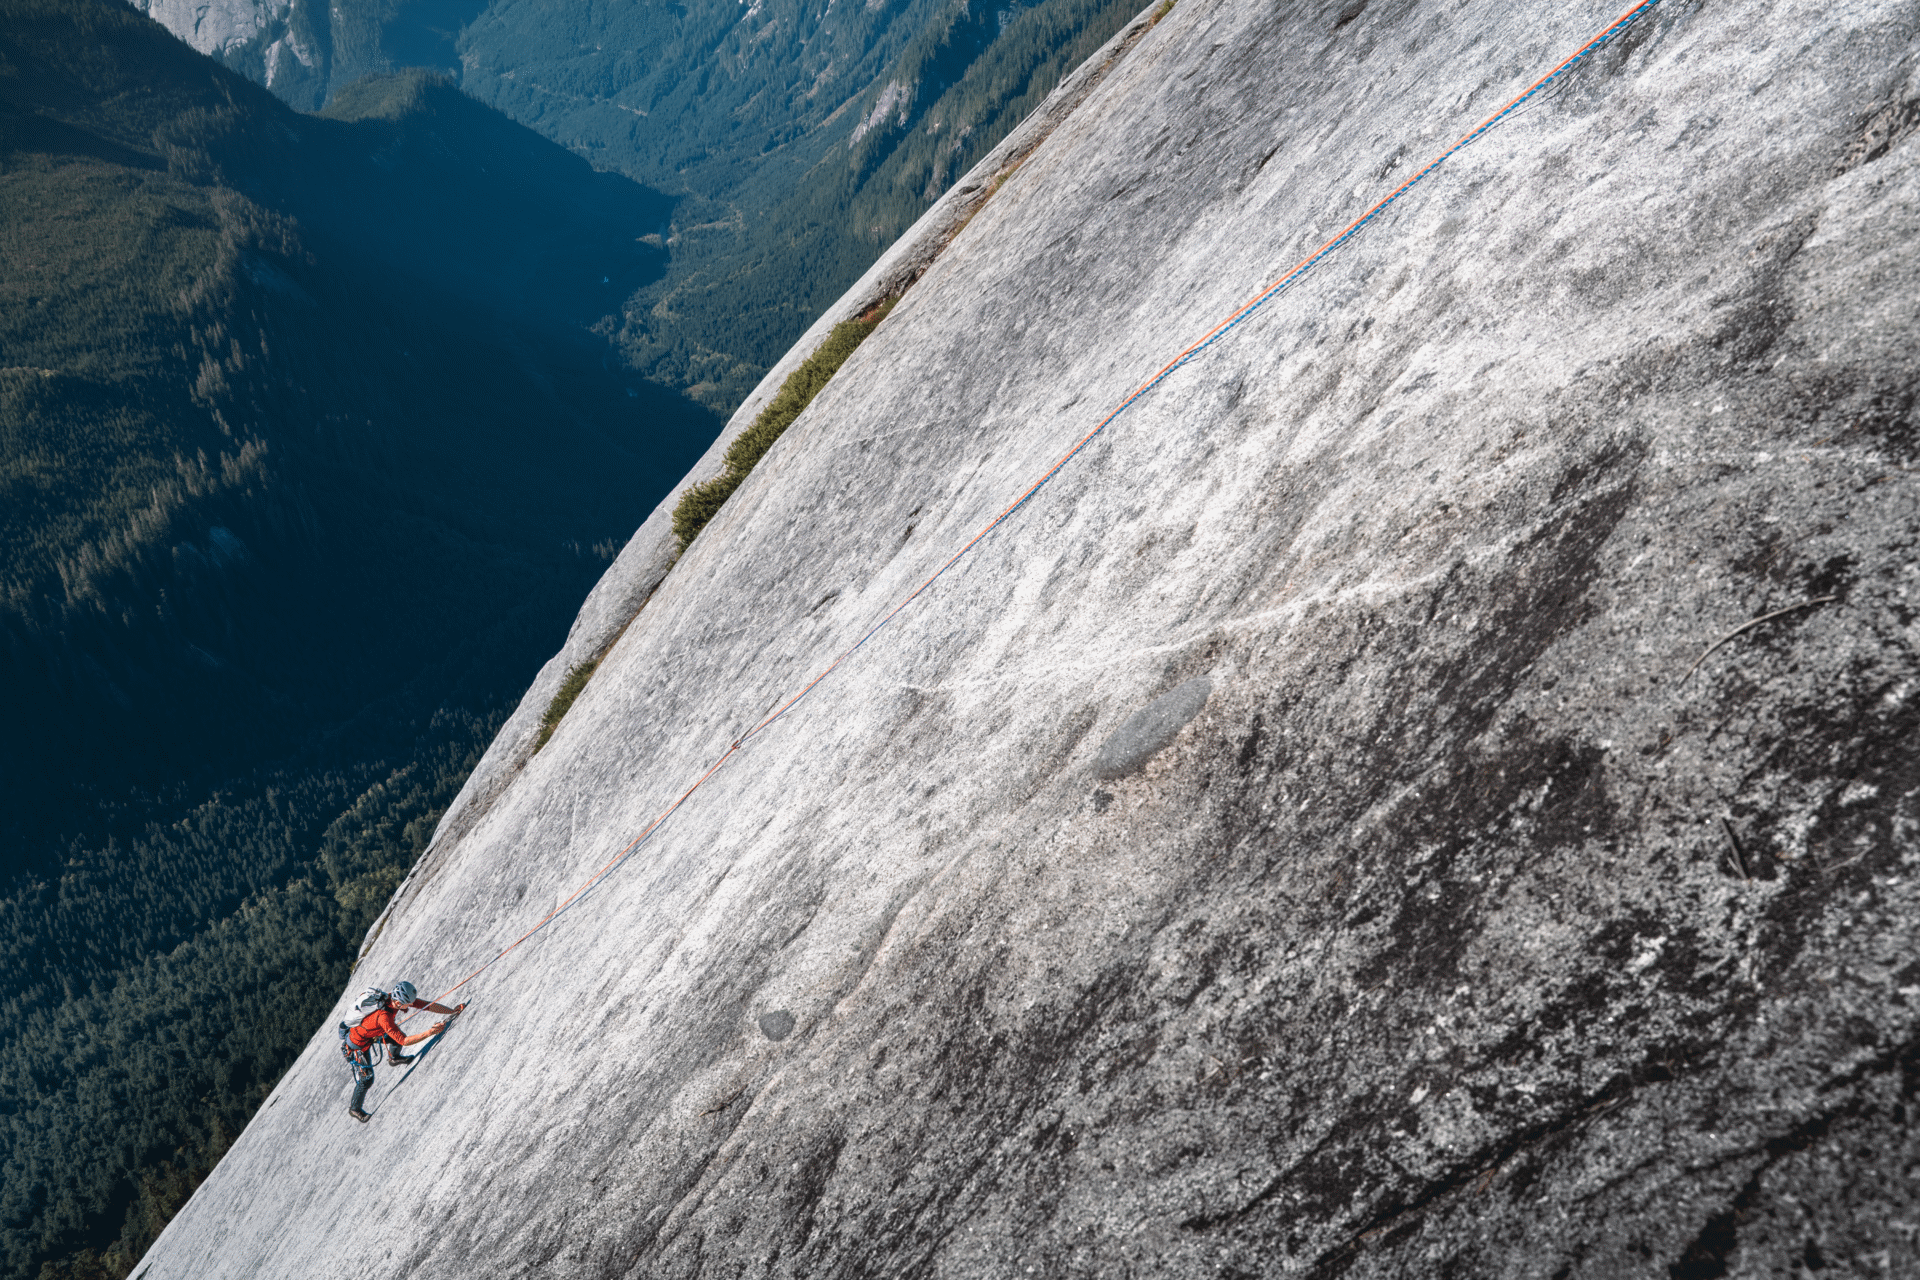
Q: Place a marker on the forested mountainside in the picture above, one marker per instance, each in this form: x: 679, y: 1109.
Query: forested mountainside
x: 1422, y: 788
x: 307, y: 456
x: 806, y: 136
x: 798, y: 137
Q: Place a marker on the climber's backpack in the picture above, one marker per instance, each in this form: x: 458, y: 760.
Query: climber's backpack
x: 365, y: 1003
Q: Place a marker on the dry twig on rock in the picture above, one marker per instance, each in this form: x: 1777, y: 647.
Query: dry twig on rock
x: 1765, y: 617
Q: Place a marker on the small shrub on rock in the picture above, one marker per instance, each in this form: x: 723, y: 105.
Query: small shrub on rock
x: 563, y: 698
x: 702, y: 501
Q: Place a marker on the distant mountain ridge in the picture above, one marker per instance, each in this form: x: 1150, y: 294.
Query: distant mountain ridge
x: 798, y: 137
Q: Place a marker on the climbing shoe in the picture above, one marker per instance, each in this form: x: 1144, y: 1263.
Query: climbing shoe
x: 359, y: 1115
x: 400, y: 1059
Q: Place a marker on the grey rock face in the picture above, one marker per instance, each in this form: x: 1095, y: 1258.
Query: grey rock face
x: 648, y: 556
x: 305, y: 50
x: 286, y: 45
x: 1151, y: 729
x: 215, y: 26
x: 1466, y: 929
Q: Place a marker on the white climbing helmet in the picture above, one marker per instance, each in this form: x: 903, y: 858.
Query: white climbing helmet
x: 404, y: 992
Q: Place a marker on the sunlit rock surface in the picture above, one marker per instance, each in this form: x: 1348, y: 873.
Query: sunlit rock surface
x: 1470, y: 925
x: 215, y: 26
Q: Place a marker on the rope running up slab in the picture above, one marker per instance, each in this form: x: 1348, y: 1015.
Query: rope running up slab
x: 1191, y: 353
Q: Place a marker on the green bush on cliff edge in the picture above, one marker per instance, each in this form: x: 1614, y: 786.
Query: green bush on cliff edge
x: 563, y: 699
x: 701, y: 502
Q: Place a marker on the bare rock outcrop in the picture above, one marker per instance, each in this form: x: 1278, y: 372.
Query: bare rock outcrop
x: 216, y: 26
x: 286, y: 45
x: 1317, y: 833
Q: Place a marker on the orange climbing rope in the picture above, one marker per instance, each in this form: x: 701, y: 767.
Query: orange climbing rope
x: 1212, y: 336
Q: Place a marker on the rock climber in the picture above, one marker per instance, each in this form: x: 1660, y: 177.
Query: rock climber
x: 377, y: 1023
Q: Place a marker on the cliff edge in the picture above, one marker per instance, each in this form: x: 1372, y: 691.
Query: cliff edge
x: 1354, y: 820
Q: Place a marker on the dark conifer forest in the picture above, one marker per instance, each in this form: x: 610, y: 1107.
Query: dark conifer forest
x: 316, y: 426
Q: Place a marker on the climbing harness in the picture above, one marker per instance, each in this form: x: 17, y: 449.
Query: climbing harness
x: 359, y: 1061
x: 1185, y: 357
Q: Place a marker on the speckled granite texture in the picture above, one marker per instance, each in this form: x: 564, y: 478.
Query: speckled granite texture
x: 1466, y: 929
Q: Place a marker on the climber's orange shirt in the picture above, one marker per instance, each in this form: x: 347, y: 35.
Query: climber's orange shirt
x: 377, y: 1026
